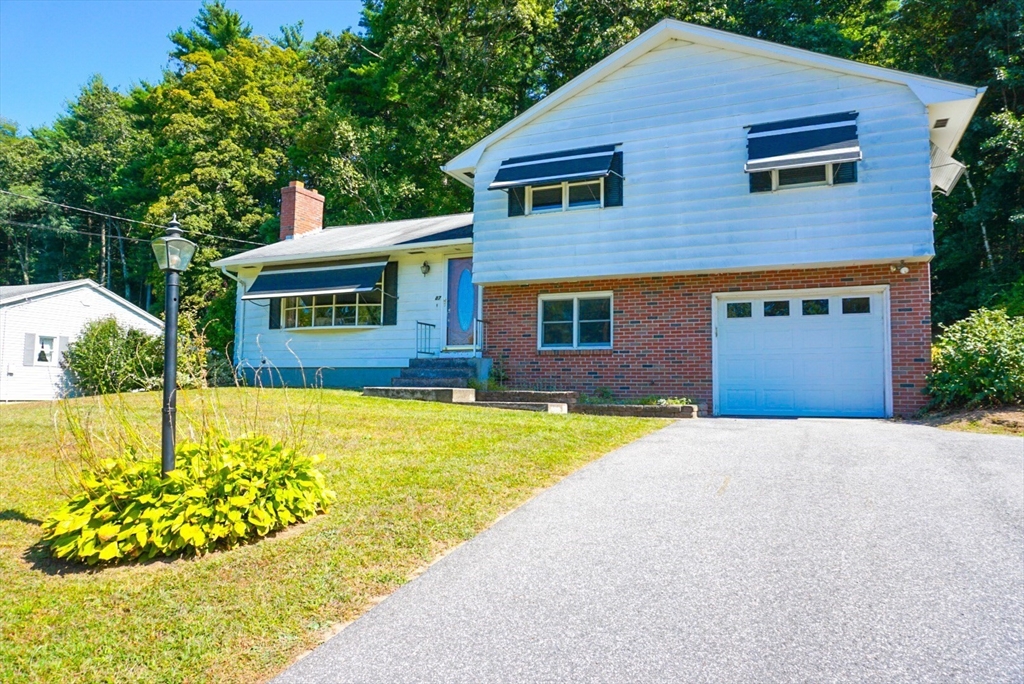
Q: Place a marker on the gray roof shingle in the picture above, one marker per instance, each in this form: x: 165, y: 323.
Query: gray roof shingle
x: 11, y: 292
x: 362, y: 239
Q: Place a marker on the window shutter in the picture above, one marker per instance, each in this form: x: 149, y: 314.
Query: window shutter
x: 391, y: 293
x: 275, y: 313
x: 516, y: 201
x: 62, y: 346
x: 844, y: 173
x: 30, y: 350
x: 613, y: 183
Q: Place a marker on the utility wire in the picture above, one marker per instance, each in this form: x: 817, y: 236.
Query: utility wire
x: 121, y: 218
x: 57, y: 229
x: 86, y: 211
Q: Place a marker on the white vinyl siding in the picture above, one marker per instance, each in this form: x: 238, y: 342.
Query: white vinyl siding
x: 420, y: 298
x: 60, y: 317
x: 679, y: 112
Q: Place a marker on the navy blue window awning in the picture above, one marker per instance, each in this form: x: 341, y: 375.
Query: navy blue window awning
x: 319, y: 281
x: 796, y: 143
x: 586, y: 163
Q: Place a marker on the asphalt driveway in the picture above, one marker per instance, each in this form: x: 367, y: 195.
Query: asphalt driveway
x: 722, y: 550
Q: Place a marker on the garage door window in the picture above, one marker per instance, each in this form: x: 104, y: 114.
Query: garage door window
x: 856, y: 305
x: 780, y: 308
x: 738, y: 310
x: 815, y: 307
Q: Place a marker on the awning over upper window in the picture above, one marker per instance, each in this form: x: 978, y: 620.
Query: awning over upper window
x: 554, y: 167
x: 319, y: 281
x: 814, y: 140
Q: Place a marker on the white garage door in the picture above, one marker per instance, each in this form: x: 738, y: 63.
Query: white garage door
x: 815, y: 353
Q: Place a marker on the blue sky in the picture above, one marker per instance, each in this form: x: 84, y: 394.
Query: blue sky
x: 50, y: 48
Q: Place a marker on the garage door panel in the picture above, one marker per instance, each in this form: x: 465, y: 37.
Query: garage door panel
x: 742, y: 369
x: 740, y: 401
x: 783, y: 399
x: 817, y: 360
x: 778, y: 368
x: 778, y: 339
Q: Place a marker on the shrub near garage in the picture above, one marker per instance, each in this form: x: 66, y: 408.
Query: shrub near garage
x: 979, y: 361
x: 223, y: 493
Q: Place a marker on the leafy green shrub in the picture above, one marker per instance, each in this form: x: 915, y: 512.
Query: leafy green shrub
x: 221, y: 494
x: 979, y: 361
x: 109, y: 357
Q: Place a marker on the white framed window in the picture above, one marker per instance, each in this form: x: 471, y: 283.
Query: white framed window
x: 575, y: 321
x: 46, y: 351
x: 803, y: 177
x: 565, y: 196
x: 348, y: 310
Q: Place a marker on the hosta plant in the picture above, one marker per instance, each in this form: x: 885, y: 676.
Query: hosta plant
x: 221, y: 494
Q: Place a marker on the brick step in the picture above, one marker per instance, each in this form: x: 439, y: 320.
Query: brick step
x: 538, y: 406
x: 430, y: 382
x: 444, y: 362
x: 438, y: 373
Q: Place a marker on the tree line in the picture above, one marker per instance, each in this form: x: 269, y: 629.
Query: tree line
x: 368, y: 116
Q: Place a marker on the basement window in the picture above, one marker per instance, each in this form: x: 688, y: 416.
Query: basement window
x: 577, y: 321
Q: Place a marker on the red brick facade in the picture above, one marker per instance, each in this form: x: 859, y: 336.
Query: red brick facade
x: 302, y: 210
x: 662, y: 333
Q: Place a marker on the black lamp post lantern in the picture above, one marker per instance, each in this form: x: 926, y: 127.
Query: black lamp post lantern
x: 173, y: 254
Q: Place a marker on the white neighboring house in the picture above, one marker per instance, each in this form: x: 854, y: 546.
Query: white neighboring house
x: 37, y: 322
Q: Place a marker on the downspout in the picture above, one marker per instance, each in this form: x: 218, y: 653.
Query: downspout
x: 240, y: 336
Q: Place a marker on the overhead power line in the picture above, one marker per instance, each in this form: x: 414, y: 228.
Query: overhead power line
x: 122, y: 218
x: 58, y: 229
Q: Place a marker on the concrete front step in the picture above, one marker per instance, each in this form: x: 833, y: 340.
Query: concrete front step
x: 429, y: 382
x: 446, y: 395
x: 443, y: 362
x: 529, y: 396
x: 438, y: 373
x: 539, y: 406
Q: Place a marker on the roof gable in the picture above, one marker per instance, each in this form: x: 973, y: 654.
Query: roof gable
x: 955, y: 101
x: 16, y: 294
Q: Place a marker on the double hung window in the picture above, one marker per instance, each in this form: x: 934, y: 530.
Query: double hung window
x: 577, y: 321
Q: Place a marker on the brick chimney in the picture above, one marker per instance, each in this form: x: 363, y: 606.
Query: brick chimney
x: 302, y: 211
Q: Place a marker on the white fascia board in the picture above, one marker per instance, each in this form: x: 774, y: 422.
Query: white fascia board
x: 142, y: 313
x: 56, y: 289
x: 323, y: 256
x: 71, y: 285
x: 798, y: 266
x: 928, y: 90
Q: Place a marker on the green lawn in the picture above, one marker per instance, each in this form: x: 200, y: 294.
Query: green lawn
x: 413, y: 480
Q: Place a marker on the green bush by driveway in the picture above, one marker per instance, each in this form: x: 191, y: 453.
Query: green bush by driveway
x: 979, y: 361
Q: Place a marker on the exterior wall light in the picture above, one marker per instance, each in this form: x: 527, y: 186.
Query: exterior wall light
x: 900, y: 268
x: 425, y: 268
x: 173, y: 254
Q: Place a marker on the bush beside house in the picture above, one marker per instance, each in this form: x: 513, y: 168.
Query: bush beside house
x: 110, y: 357
x: 979, y: 361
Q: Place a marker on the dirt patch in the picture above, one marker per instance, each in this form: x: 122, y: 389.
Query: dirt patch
x: 1001, y: 421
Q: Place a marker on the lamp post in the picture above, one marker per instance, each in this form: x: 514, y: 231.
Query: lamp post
x: 173, y: 254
